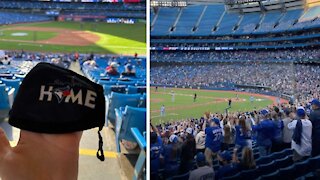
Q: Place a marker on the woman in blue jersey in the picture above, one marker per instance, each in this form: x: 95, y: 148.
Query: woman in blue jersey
x: 243, y: 134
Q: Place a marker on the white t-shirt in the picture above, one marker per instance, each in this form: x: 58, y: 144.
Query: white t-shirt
x: 287, y: 133
x: 200, y: 140
x: 304, y: 149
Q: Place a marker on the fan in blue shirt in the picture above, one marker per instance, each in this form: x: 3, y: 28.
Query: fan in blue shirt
x: 214, y: 136
x: 243, y: 134
x: 265, y: 133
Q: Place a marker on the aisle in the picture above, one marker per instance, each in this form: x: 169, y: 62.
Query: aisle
x: 89, y: 166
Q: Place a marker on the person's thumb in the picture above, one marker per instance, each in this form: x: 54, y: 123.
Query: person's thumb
x: 4, y: 143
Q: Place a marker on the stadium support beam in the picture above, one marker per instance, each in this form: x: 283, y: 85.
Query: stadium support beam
x: 263, y: 9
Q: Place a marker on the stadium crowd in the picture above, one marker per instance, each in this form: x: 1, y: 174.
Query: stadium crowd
x: 275, y: 55
x: 300, y: 79
x: 195, y: 145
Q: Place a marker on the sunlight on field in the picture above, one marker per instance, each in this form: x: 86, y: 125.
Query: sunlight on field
x: 120, y: 45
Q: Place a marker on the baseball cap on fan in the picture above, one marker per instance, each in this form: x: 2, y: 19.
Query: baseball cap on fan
x: 55, y: 100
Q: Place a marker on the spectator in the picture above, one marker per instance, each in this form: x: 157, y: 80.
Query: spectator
x: 287, y: 133
x: 171, y: 156
x: 265, y: 133
x: 213, y: 139
x: 155, y: 150
x: 278, y: 123
x: 112, y: 69
x: 227, y: 167
x: 90, y: 63
x: 315, y: 119
x: 301, y: 140
x: 129, y: 71
x: 228, y: 137
x: 247, y: 160
x: 243, y: 134
x: 188, y: 151
x: 203, y: 171
x: 200, y: 141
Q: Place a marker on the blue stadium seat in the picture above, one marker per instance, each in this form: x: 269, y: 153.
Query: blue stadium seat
x: 287, y: 151
x: 247, y: 174
x: 287, y: 172
x: 114, y: 88
x: 264, y: 160
x: 4, y: 98
x: 315, y: 162
x: 130, y: 117
x: 180, y: 177
x: 126, y: 83
x: 270, y: 176
x: 256, y: 155
x: 284, y: 162
x: 143, y: 101
x: 106, y: 82
x: 132, y: 90
x: 20, y: 76
x: 233, y: 177
x: 138, y: 169
x: 302, y: 168
x: 277, y: 155
x: 6, y: 101
x: 266, y: 168
x: 6, y: 75
x: 15, y: 83
x: 117, y: 100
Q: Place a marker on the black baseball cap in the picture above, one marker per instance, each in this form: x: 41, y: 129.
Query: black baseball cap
x: 56, y: 100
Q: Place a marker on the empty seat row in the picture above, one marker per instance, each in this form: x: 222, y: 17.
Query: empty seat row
x: 124, y: 89
x: 126, y: 118
x: 117, y: 100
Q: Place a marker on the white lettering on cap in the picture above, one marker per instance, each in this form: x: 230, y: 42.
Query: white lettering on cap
x: 47, y: 93
x: 90, y: 96
x: 74, y: 98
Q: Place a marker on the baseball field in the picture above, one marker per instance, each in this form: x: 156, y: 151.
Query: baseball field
x: 83, y: 37
x: 184, y: 106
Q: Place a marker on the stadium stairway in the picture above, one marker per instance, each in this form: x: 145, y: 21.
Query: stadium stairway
x: 116, y: 165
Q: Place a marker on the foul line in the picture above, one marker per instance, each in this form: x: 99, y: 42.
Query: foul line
x: 170, y: 114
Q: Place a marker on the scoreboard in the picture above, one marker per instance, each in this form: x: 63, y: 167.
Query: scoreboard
x: 168, y: 3
x: 232, y: 2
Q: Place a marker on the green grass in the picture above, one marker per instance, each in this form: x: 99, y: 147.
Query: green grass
x: 115, y: 38
x: 31, y: 35
x: 205, y: 99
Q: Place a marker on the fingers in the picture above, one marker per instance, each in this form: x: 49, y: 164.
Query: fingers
x: 4, y: 143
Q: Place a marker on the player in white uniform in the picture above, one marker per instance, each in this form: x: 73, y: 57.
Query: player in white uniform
x: 162, y: 111
x: 251, y: 99
x: 172, y: 96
